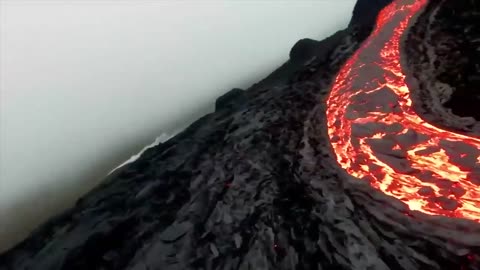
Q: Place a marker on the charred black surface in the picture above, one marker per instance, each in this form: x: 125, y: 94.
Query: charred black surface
x: 458, y: 48
x: 444, y: 54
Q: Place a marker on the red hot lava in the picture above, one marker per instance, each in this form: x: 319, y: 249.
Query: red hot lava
x: 378, y: 137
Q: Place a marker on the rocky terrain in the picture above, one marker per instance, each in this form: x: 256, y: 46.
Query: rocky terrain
x: 443, y: 60
x: 257, y: 184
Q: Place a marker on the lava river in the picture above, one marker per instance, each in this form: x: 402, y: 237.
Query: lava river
x: 378, y: 137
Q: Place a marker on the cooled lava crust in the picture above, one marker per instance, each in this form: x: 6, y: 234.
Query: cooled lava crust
x: 379, y: 137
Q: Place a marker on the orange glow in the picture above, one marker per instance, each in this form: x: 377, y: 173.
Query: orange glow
x: 378, y: 137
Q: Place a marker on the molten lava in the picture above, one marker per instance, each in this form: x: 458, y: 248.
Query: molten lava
x: 378, y: 137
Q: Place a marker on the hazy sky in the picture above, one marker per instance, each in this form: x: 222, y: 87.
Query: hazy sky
x: 86, y: 84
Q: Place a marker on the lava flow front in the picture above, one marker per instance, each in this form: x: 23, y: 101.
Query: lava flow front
x: 378, y: 137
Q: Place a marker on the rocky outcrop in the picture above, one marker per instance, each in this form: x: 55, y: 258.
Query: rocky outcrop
x: 365, y: 11
x: 443, y: 53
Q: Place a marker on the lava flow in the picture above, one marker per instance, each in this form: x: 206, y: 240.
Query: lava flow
x: 378, y: 137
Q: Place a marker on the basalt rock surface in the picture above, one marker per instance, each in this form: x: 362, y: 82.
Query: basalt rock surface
x: 255, y: 184
x: 443, y: 54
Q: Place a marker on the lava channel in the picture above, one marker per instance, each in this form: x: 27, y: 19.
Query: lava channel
x: 378, y: 137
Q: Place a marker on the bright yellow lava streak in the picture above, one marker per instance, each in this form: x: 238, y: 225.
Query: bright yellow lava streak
x: 355, y: 154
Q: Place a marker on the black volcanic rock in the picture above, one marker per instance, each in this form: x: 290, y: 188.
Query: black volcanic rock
x: 365, y: 11
x: 232, y: 99
x: 444, y: 60
x: 457, y: 47
x: 255, y: 185
x: 303, y: 50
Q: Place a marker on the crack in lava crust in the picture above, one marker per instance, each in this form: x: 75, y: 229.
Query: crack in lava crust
x: 378, y: 137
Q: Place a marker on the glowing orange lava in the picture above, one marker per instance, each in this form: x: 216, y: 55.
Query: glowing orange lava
x: 378, y: 137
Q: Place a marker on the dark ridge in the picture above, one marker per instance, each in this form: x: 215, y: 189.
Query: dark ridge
x: 365, y: 11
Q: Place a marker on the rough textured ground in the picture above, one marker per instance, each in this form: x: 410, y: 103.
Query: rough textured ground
x: 443, y: 58
x: 255, y: 185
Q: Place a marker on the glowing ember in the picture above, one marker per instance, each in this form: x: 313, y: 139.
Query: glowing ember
x: 378, y: 137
